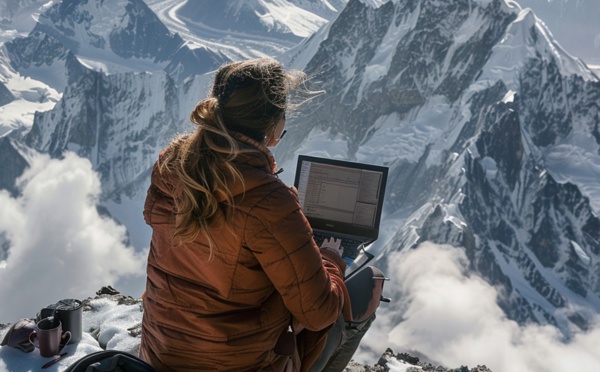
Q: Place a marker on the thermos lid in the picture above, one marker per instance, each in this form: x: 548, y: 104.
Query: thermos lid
x: 67, y: 304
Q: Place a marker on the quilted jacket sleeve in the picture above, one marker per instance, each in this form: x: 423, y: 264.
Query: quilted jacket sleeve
x: 310, y: 281
x: 159, y: 188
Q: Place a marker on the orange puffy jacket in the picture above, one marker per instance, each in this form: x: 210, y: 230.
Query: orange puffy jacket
x: 230, y: 313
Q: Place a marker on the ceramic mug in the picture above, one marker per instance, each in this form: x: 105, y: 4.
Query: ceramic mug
x: 50, y: 336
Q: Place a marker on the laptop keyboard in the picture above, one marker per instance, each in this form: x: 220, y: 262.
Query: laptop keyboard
x: 350, y: 246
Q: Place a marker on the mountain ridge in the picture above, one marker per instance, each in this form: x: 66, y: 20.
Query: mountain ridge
x: 489, y: 128
x: 503, y: 93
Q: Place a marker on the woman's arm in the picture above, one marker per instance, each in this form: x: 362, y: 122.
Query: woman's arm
x: 309, y: 280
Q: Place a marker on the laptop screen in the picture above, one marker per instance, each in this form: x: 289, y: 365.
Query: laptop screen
x: 341, y: 196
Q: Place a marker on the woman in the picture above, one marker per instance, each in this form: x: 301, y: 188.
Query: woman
x: 235, y: 279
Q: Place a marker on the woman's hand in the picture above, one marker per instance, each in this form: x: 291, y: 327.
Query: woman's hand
x: 335, y: 244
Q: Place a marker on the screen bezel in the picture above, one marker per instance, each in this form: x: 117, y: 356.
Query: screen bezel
x: 340, y: 227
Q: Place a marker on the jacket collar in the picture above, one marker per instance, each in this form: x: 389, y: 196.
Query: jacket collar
x: 255, y: 162
x: 252, y: 157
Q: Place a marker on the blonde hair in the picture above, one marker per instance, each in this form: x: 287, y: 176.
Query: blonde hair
x: 249, y: 97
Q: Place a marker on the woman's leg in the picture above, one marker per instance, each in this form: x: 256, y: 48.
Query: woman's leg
x: 351, y: 338
x: 365, y: 290
x: 334, y: 340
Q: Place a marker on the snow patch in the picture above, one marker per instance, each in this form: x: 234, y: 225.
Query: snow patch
x: 31, y: 96
x: 490, y: 167
x: 578, y: 164
x: 583, y: 256
x: 394, y: 137
x: 509, y: 96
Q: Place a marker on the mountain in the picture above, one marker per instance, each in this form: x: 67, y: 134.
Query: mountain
x: 43, y: 58
x: 110, y: 119
x: 288, y: 20
x: 111, y: 36
x: 123, y: 95
x: 247, y: 28
x: 18, y: 12
x: 489, y: 127
x: 472, y: 104
x: 573, y: 25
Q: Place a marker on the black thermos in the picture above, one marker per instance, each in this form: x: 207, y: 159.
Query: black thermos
x: 70, y: 314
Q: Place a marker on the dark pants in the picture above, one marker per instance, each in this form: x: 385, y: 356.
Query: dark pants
x: 342, y: 342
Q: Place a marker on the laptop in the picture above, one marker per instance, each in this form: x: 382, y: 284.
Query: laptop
x: 344, y: 200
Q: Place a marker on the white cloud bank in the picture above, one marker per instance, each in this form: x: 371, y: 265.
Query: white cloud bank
x: 60, y: 246
x: 453, y: 319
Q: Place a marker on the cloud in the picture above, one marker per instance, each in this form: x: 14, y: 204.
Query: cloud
x: 60, y: 246
x: 452, y: 318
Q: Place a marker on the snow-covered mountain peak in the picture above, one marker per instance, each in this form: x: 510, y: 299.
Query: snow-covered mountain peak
x: 476, y: 100
x: 114, y: 34
x: 544, y: 41
x: 528, y: 38
x: 89, y: 22
x: 288, y: 20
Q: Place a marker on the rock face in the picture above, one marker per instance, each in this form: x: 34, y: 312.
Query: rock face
x: 471, y: 104
x: 408, y: 360
x: 5, y: 95
x: 117, y: 121
x: 13, y: 165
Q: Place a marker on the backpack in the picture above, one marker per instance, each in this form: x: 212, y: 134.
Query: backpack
x: 110, y: 361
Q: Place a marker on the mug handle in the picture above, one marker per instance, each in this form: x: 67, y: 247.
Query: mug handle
x: 33, y: 336
x: 64, y: 340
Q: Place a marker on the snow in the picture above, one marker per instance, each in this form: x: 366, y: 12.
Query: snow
x: 490, y: 166
x: 575, y: 159
x: 22, y: 21
x: 379, y: 65
x: 581, y: 253
x: 321, y: 144
x: 300, y: 55
x: 395, y: 365
x: 579, y: 165
x: 509, y: 96
x: 110, y: 63
x: 109, y: 319
x: 574, y: 25
x: 112, y: 323
x: 515, y: 48
x: 31, y: 96
x: 240, y: 45
x: 407, y: 137
x: 280, y: 13
x: 374, y: 3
